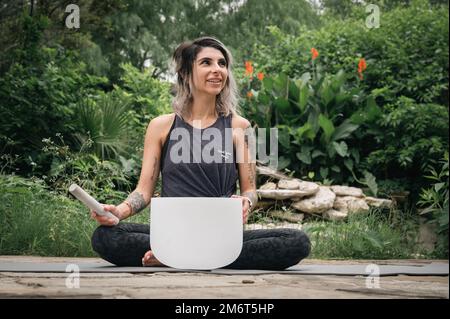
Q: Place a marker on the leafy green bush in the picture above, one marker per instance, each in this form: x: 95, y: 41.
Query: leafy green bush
x: 102, y: 120
x: 316, y: 116
x: 393, y: 186
x: 407, y: 55
x: 147, y: 94
x: 35, y: 103
x: 148, y: 98
x: 435, y: 203
x: 60, y: 99
x: 106, y: 180
x: 404, y: 126
x: 408, y: 138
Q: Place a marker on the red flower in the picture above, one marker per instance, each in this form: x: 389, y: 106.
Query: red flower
x: 260, y: 76
x: 249, y: 94
x: 248, y: 68
x: 314, y: 53
x: 362, y: 66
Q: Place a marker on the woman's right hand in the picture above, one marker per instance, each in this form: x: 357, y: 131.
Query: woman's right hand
x: 105, y: 220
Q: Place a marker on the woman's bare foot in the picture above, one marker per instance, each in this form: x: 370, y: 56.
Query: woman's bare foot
x: 149, y: 260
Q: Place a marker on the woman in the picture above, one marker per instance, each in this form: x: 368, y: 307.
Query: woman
x: 206, y: 99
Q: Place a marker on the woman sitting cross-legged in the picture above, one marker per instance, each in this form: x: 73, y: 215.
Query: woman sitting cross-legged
x: 206, y: 100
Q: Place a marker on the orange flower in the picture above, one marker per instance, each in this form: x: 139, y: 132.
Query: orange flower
x: 362, y: 66
x: 248, y: 68
x: 249, y: 94
x: 314, y: 53
x: 260, y: 76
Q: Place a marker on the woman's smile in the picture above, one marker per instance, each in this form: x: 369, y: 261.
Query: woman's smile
x: 215, y: 81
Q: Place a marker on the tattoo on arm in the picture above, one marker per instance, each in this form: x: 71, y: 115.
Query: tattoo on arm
x: 251, y: 175
x: 250, y: 144
x: 137, y: 202
x: 155, y: 173
x: 251, y: 168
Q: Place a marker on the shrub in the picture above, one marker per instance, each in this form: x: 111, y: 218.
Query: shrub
x: 36, y: 102
x: 406, y: 56
x: 434, y: 201
x: 103, y: 121
x: 317, y: 116
x: 408, y: 138
x: 105, y: 180
x: 404, y: 126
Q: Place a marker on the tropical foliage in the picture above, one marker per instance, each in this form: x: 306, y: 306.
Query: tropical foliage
x: 353, y: 105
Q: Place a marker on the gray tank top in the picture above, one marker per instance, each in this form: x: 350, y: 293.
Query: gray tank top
x: 199, y: 162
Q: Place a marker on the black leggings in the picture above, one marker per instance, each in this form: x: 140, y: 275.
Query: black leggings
x: 270, y: 249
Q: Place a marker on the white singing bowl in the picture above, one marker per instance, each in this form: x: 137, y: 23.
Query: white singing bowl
x: 196, y: 232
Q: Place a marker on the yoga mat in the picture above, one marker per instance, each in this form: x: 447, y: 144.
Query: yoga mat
x: 432, y: 269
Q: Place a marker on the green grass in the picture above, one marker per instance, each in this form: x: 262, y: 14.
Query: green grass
x: 363, y: 236
x: 34, y: 221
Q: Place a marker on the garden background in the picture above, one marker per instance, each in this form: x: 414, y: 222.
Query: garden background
x: 354, y: 104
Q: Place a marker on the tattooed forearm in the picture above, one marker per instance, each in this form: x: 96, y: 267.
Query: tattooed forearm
x: 251, y: 175
x: 155, y: 174
x: 250, y: 144
x: 136, y: 201
x: 249, y: 140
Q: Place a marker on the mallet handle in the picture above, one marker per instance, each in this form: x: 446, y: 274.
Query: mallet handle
x: 90, y: 202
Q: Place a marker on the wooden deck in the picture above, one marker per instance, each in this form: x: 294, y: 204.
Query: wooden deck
x: 212, y: 286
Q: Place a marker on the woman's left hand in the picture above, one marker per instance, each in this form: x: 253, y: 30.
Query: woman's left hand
x: 245, y: 208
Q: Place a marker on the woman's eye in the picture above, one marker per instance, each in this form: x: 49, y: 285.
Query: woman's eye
x: 221, y: 63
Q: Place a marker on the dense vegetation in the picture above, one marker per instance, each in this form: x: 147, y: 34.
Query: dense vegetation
x: 354, y: 105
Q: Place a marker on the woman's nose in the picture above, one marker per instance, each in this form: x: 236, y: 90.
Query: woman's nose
x: 216, y: 67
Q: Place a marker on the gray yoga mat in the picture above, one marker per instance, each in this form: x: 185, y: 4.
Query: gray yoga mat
x: 432, y: 269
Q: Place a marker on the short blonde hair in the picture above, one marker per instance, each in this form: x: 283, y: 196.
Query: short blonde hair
x: 183, y: 59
